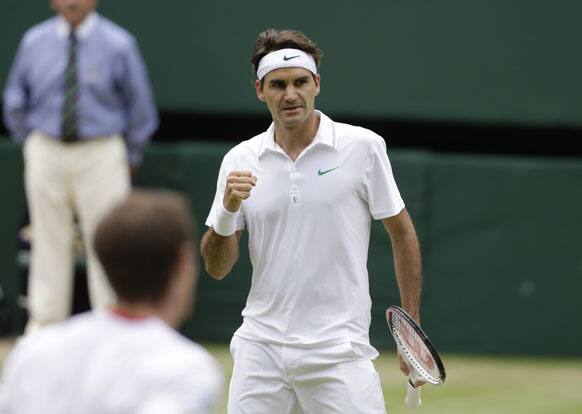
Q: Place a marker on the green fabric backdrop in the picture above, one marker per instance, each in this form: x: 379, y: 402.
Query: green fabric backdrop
x: 500, y: 239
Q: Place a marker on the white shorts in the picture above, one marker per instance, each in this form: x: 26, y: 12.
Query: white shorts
x: 269, y: 378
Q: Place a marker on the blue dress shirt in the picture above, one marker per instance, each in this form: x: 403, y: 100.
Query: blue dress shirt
x: 114, y: 92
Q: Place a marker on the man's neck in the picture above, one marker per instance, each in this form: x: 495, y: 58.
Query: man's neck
x: 82, y: 30
x: 132, y: 310
x: 294, y: 140
x: 141, y: 310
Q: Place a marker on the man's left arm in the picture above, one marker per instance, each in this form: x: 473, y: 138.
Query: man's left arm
x: 141, y: 112
x: 407, y: 262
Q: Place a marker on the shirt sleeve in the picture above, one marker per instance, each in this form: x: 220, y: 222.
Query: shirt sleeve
x: 142, y: 115
x: 16, y: 96
x: 380, y: 188
x: 225, y: 168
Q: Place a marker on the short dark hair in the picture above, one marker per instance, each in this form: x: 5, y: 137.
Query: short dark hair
x: 139, y: 241
x: 272, y: 39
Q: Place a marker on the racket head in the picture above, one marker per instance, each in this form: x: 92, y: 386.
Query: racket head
x: 414, y: 346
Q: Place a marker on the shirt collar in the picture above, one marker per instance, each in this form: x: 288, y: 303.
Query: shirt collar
x: 85, y: 28
x: 325, y: 136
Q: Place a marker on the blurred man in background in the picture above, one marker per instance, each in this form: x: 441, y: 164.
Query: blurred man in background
x: 307, y: 190
x: 126, y: 359
x: 79, y: 98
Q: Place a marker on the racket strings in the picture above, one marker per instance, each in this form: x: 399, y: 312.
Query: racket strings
x: 414, y: 350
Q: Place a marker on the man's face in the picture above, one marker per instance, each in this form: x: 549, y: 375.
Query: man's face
x: 74, y: 11
x: 290, y: 95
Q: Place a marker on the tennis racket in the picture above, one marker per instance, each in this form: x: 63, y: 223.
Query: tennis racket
x: 418, y: 353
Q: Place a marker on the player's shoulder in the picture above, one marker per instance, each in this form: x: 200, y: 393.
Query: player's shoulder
x: 49, y: 343
x: 39, y: 31
x: 246, y: 149
x: 63, y: 331
x: 184, y: 370
x: 350, y: 136
x: 356, y: 133
x: 176, y: 356
x: 192, y: 351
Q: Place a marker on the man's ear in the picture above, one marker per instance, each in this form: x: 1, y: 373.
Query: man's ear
x: 259, y: 90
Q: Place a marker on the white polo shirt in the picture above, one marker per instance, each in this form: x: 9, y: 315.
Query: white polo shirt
x: 309, y: 229
x: 101, y: 363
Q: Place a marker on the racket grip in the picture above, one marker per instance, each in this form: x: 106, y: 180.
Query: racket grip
x: 412, y: 396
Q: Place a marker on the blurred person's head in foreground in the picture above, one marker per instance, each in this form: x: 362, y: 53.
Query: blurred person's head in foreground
x: 147, y: 249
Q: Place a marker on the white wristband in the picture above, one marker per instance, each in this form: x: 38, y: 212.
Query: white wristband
x: 225, y: 222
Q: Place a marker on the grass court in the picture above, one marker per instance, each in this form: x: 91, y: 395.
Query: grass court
x: 475, y: 384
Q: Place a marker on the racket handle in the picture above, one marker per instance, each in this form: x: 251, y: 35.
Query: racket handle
x: 412, y: 396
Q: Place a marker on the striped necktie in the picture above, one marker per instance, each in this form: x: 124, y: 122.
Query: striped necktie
x: 69, y: 119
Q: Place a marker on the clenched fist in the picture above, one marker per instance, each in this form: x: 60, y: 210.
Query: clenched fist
x: 239, y: 185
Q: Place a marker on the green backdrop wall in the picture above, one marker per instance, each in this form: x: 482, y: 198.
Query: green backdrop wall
x: 482, y: 60
x: 12, y: 205
x: 500, y: 239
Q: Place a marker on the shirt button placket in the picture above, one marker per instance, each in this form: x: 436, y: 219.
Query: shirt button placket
x: 294, y: 188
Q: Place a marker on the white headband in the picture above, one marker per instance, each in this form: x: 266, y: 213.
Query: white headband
x: 286, y: 58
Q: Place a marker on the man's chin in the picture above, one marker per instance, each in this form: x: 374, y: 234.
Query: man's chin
x: 290, y: 122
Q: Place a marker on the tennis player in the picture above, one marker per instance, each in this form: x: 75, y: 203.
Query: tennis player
x: 306, y: 190
x: 127, y: 359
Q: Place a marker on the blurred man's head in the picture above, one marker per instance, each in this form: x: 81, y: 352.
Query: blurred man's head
x: 74, y: 11
x: 146, y: 247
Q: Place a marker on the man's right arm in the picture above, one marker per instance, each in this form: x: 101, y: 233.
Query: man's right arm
x: 220, y: 253
x: 16, y: 98
x: 220, y: 244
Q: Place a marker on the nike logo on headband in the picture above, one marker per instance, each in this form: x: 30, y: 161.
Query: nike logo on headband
x: 285, y: 58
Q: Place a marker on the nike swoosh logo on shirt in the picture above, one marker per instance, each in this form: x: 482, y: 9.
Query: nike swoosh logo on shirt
x: 326, y: 171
